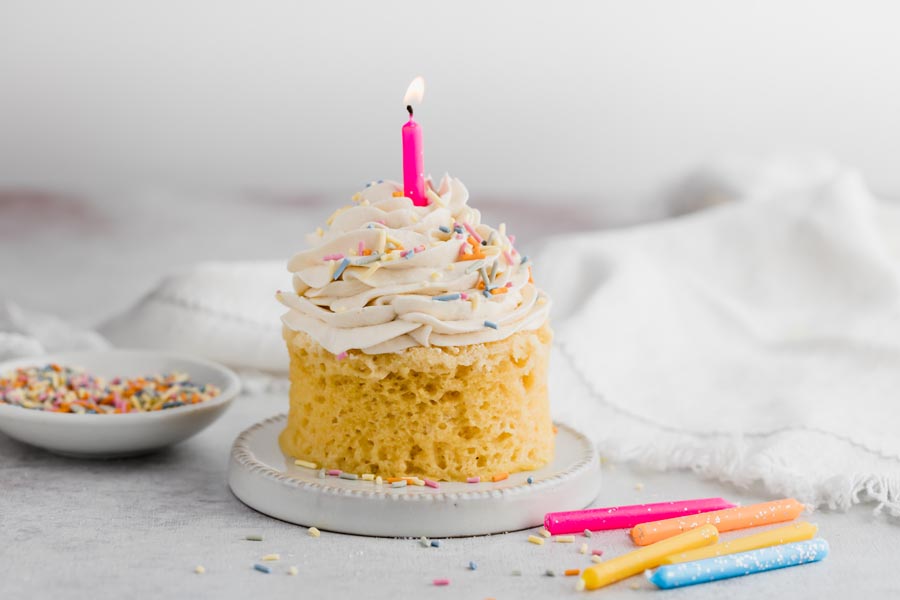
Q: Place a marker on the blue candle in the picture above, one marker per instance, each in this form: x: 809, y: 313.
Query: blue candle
x: 737, y: 565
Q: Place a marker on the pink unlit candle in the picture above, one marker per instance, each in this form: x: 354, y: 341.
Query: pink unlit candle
x: 623, y: 517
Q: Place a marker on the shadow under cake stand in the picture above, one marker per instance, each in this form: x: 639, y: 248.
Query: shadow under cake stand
x: 267, y: 481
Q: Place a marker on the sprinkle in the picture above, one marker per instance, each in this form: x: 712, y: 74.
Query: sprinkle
x: 360, y: 247
x: 494, y: 268
x: 337, y: 256
x: 254, y: 537
x: 305, y: 463
x: 340, y: 270
x: 446, y: 297
x: 269, y: 557
x: 571, y: 572
x: 530, y: 480
x: 565, y: 539
x: 490, y: 324
x: 398, y: 484
x: 524, y: 260
x: 314, y: 532
x: 431, y: 483
x: 441, y: 582
x: 473, y: 566
x: 378, y: 480
x: 583, y: 549
x: 587, y: 533
x: 333, y: 472
x: 549, y: 573
x: 544, y: 532
x: 463, y: 296
x: 639, y: 486
x: 517, y: 573
x: 435, y: 543
x: 444, y: 228
x: 368, y: 476
x: 472, y: 232
x: 457, y: 228
x: 580, y: 585
x: 321, y: 474
x: 597, y: 552
x: 596, y: 559
x: 423, y: 541
x: 199, y: 569
x: 499, y: 477
x: 536, y: 540
x: 350, y: 476
x: 292, y: 570
x: 419, y: 248
x: 509, y: 258
x: 262, y: 568
x: 435, y: 275
x: 473, y: 479
x: 397, y: 194
x: 416, y: 481
x: 502, y: 290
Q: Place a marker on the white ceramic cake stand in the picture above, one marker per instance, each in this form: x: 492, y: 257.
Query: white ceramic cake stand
x: 267, y: 481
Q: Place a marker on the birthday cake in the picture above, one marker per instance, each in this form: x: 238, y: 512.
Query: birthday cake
x: 418, y: 342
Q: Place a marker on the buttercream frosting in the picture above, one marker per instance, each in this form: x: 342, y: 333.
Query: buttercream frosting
x: 385, y: 275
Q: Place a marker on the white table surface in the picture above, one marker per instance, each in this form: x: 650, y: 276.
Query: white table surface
x: 137, y: 527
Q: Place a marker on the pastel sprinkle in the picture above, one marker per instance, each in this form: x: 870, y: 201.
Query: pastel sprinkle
x: 441, y: 582
x: 360, y: 247
x: 350, y: 476
x: 571, y: 572
x: 536, y: 540
x: 337, y: 256
x: 473, y: 565
x: 565, y: 539
x: 340, y: 270
x: 530, y: 480
x: 444, y: 228
x: 431, y: 483
x: 305, y: 463
x: 321, y: 474
x: 419, y: 248
x: 596, y: 559
x: 583, y: 549
x: 596, y: 552
x: 199, y: 569
x: 517, y: 573
x: 446, y: 297
x: 435, y: 543
x: 253, y: 538
x: 490, y: 324
x: 499, y: 477
x: 368, y: 476
x: 549, y: 573
x: 544, y: 532
x: 524, y: 260
x: 262, y: 568
x: 378, y: 480
x: 509, y: 258
x: 292, y: 570
x: 473, y: 479
x: 399, y: 484
x: 270, y: 557
x: 587, y: 533
x: 580, y: 585
x: 472, y: 232
x: 423, y: 541
x: 333, y: 472
x: 463, y: 296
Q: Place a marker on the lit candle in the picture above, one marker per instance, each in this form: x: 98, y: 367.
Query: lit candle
x: 413, y: 152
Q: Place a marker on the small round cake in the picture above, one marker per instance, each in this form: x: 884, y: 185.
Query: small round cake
x: 418, y: 343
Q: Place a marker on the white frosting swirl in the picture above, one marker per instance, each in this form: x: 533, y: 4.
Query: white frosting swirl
x: 387, y: 275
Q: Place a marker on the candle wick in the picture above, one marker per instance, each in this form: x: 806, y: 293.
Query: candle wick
x: 409, y: 110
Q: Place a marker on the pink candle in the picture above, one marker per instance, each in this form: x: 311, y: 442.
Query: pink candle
x: 413, y: 151
x: 622, y: 517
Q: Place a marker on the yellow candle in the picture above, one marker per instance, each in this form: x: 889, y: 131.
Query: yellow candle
x: 647, y: 557
x: 783, y: 535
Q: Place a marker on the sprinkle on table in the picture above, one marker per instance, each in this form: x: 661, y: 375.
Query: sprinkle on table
x: 571, y: 572
x: 596, y: 558
x: 262, y: 568
x: 441, y: 582
x: 584, y: 548
x: 54, y: 388
x: 565, y: 539
x: 314, y: 532
x: 350, y: 476
x: 597, y: 552
x: 473, y: 565
x: 254, y: 537
x: 435, y: 543
x: 431, y: 483
x: 539, y: 541
x: 499, y: 477
x: 473, y: 479
x: 587, y: 533
x: 530, y: 480
x: 544, y: 532
x: 270, y: 557
x: 199, y: 569
x: 305, y: 463
x: 292, y: 570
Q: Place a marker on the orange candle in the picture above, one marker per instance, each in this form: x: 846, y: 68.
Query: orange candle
x: 740, y: 517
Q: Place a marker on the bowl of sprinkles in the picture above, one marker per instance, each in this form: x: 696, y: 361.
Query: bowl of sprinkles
x: 111, y: 403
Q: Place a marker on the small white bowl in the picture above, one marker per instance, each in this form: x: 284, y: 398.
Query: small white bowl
x: 117, y: 435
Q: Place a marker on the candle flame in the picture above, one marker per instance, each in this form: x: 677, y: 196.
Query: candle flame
x: 414, y: 92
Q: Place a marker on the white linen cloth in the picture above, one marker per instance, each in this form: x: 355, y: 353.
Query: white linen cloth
x: 755, y: 342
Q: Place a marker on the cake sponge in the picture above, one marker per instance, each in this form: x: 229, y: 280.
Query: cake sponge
x: 445, y: 413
